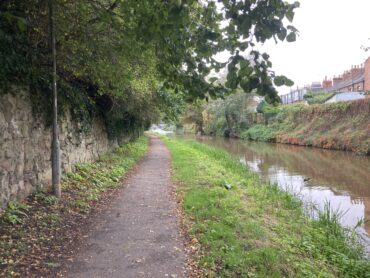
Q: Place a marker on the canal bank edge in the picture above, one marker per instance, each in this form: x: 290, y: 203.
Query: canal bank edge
x: 254, y: 229
x: 340, y: 126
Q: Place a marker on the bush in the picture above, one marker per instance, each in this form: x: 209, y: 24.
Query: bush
x: 260, y: 133
x: 317, y: 97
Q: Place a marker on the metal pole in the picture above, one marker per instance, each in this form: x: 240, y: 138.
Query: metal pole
x: 55, y: 156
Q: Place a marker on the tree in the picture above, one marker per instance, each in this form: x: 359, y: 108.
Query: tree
x: 124, y: 43
x: 193, y: 115
x: 131, y: 54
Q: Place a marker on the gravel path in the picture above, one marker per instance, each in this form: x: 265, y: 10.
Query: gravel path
x: 138, y: 235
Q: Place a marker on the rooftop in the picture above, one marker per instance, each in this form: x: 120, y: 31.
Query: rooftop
x: 347, y: 96
x: 356, y: 79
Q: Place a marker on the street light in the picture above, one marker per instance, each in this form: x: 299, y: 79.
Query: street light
x: 55, y: 147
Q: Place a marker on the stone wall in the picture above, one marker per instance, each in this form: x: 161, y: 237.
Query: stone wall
x: 25, y: 144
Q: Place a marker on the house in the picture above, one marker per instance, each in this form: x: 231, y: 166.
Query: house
x: 316, y: 87
x: 357, y: 79
x: 346, y: 96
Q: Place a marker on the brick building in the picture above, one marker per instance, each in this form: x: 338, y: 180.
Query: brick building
x: 356, y: 79
x: 327, y: 83
x: 367, y: 75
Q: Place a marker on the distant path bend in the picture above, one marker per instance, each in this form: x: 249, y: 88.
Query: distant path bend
x: 138, y: 235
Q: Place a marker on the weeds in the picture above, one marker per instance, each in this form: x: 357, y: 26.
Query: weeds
x: 45, y: 198
x: 15, y: 213
x: 317, y: 97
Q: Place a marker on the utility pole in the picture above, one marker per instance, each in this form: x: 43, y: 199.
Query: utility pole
x: 55, y: 147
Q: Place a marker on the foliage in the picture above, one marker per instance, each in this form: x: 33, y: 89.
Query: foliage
x: 317, y: 97
x: 227, y: 117
x: 264, y: 107
x: 340, y: 125
x: 36, y: 235
x: 45, y: 198
x: 255, y: 229
x: 15, y: 213
x: 260, y: 132
x: 193, y: 115
x: 143, y: 49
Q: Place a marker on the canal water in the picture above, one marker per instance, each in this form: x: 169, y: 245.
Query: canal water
x: 316, y: 176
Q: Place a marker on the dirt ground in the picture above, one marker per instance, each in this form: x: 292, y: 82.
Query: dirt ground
x: 138, y: 235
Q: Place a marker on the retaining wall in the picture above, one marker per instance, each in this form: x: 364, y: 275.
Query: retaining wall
x: 25, y: 146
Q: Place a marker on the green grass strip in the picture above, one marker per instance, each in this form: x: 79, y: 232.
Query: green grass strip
x: 255, y: 229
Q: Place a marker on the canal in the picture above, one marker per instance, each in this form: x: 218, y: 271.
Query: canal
x: 316, y: 176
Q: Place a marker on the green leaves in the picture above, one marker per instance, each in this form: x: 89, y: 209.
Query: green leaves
x: 290, y: 11
x: 15, y: 213
x: 291, y: 37
x: 249, y: 22
x: 14, y: 20
x: 282, y: 34
x: 282, y: 80
x: 137, y: 46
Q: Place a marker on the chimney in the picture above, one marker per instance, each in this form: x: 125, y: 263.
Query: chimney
x: 356, y: 71
x: 327, y: 83
x: 337, y: 80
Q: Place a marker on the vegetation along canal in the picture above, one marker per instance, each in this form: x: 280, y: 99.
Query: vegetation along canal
x: 318, y: 177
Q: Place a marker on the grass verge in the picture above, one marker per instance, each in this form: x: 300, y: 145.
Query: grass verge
x: 255, y: 229
x: 37, y: 235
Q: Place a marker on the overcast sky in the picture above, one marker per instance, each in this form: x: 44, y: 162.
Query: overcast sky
x: 331, y: 35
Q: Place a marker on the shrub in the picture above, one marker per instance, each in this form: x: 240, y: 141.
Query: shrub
x: 260, y: 133
x: 317, y: 97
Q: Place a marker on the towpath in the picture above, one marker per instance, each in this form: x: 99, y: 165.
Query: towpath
x: 138, y: 235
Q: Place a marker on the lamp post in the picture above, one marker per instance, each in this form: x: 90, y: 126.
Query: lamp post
x: 55, y: 147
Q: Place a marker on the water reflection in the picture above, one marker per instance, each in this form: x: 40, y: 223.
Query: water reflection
x: 317, y: 175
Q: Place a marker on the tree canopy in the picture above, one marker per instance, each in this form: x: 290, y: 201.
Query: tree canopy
x: 147, y: 53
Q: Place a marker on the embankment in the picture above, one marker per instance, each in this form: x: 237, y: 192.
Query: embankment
x: 341, y: 126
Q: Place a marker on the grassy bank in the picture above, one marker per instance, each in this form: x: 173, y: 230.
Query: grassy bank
x: 253, y: 229
x: 341, y: 126
x: 37, y: 235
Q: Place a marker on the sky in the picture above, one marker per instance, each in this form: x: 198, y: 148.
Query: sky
x: 331, y: 33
